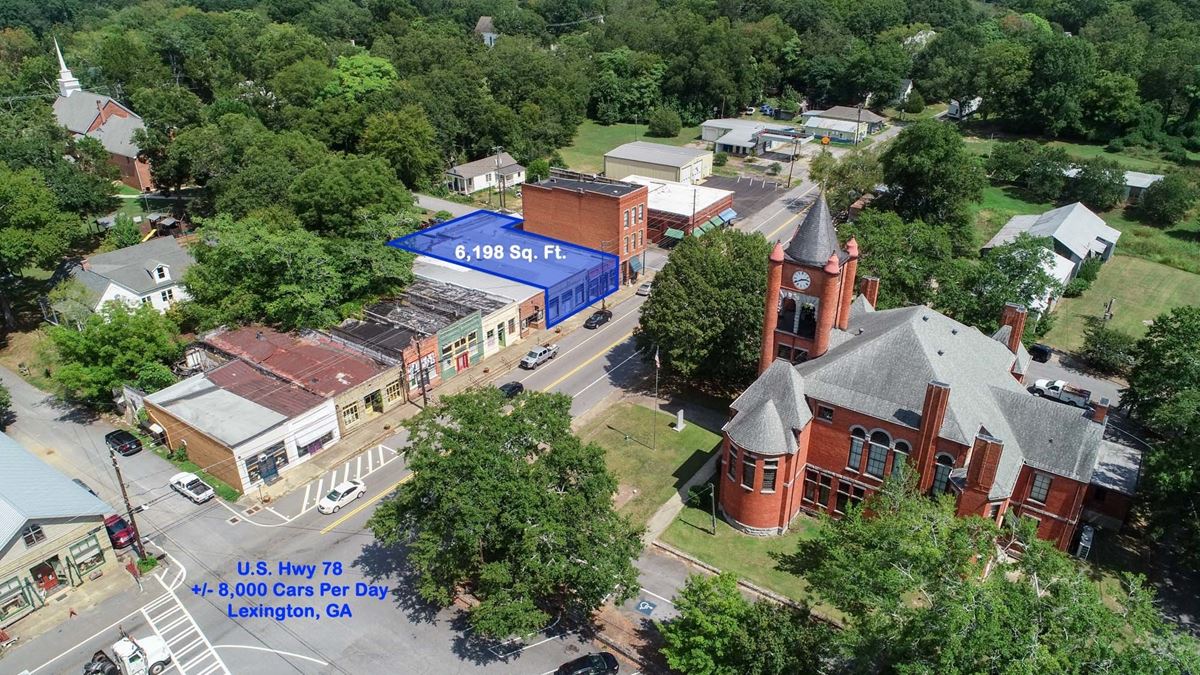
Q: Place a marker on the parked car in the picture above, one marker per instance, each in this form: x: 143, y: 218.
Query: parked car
x: 539, y: 355
x: 85, y: 487
x: 1060, y: 390
x: 748, y: 110
x: 120, y: 532
x: 341, y: 495
x: 603, y: 663
x: 1040, y: 353
x: 512, y: 389
x: 123, y: 443
x: 189, y: 485
x: 598, y: 318
x: 644, y: 289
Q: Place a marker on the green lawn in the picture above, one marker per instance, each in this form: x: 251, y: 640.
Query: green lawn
x: 929, y: 112
x: 1143, y: 290
x: 997, y: 206
x: 142, y: 206
x: 751, y: 558
x: 653, y: 460
x: 586, y: 152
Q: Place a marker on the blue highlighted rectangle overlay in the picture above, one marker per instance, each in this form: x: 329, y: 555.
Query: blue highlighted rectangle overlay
x: 571, y: 277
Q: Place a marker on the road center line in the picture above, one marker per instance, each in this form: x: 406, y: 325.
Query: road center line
x: 372, y: 500
x: 577, y: 368
x: 606, y: 374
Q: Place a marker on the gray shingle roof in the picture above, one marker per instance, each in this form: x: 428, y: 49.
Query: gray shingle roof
x: 816, y: 239
x: 846, y: 113
x: 881, y: 368
x: 656, y: 153
x: 780, y: 391
x: 30, y: 489
x: 133, y: 266
x: 479, y: 167
x: 77, y: 112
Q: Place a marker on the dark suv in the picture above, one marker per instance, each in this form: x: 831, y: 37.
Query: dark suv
x: 592, y: 664
x: 512, y: 389
x: 123, y: 442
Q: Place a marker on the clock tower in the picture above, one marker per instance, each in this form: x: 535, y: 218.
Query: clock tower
x: 809, y: 288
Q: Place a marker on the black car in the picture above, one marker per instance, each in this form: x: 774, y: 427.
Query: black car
x: 603, y: 663
x: 511, y: 389
x: 598, y: 318
x: 123, y: 442
x: 1040, y: 353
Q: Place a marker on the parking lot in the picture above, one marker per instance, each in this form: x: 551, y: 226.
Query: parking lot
x: 750, y: 195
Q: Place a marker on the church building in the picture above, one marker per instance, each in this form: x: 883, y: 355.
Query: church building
x: 847, y: 394
x: 105, y: 119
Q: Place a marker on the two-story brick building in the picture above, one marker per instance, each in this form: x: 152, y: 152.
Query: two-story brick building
x: 847, y: 395
x: 602, y: 214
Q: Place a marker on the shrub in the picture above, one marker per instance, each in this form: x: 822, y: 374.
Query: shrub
x: 1098, y: 184
x: 1105, y: 349
x: 537, y: 170
x: 664, y: 122
x: 914, y: 104
x: 1090, y: 269
x: 721, y: 159
x: 775, y: 168
x: 1115, y: 145
x: 1009, y: 161
x: 1167, y: 201
x: 1076, y: 287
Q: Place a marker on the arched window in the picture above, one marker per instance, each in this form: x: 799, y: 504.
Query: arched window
x: 787, y: 315
x: 899, y: 457
x: 858, y: 439
x: 877, y: 458
x: 941, y: 473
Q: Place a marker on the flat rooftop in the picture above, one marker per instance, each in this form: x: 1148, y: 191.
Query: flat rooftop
x: 385, y: 338
x: 614, y: 189
x: 432, y: 269
x: 571, y: 277
x: 678, y: 198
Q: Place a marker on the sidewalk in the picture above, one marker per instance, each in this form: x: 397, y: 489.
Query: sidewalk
x: 489, y: 371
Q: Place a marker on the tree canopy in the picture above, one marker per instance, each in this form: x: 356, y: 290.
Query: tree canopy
x: 1164, y: 381
x: 508, y: 505
x: 705, y: 315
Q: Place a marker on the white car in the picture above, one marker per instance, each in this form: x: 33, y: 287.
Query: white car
x: 189, y: 485
x: 644, y: 289
x: 341, y: 495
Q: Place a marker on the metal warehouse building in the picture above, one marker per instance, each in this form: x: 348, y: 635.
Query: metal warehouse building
x: 655, y: 160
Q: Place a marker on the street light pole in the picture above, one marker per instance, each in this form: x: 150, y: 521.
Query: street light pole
x: 421, y: 374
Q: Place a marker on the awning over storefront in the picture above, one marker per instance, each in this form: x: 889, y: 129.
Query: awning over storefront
x: 727, y: 215
x: 635, y: 264
x: 713, y: 222
x: 673, y: 233
x: 697, y: 231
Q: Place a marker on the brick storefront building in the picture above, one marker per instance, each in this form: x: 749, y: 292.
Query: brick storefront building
x: 847, y: 394
x: 605, y: 215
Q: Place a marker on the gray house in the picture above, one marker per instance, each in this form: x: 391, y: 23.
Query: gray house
x: 150, y: 273
x: 490, y: 172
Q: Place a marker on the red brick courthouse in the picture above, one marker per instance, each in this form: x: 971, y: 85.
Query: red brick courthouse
x: 847, y: 394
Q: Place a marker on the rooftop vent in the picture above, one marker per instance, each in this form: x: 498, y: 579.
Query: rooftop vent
x: 940, y: 352
x: 925, y: 318
x: 954, y: 331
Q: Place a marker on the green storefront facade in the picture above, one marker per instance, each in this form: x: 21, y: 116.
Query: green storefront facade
x: 460, y: 345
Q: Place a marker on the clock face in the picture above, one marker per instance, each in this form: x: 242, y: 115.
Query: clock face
x: 801, y: 279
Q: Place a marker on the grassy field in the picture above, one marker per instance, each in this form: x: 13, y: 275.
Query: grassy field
x: 648, y: 477
x: 592, y: 140
x: 997, y: 206
x: 1142, y: 289
x: 142, y: 206
x: 1133, y: 159
x: 929, y: 112
x: 749, y: 557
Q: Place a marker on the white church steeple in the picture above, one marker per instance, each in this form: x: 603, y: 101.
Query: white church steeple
x: 67, y: 84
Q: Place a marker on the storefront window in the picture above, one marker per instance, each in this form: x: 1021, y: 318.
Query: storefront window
x: 12, y: 600
x: 395, y: 390
x: 315, y: 445
x: 87, y: 554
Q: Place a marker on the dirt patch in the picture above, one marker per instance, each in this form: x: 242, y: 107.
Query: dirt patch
x: 624, y: 494
x: 31, y: 349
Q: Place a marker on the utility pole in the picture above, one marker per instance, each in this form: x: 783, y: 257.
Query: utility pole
x: 137, y: 534
x: 792, y: 164
x: 858, y: 126
x: 499, y: 177
x: 421, y: 373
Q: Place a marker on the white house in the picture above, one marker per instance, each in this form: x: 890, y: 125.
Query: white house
x: 486, y: 29
x: 150, y: 273
x: 1078, y: 234
x: 490, y: 172
x: 741, y: 137
x: 960, y: 111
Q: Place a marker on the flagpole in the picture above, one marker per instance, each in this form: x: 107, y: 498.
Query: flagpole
x: 654, y: 417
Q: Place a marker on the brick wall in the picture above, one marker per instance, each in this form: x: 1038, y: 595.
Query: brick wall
x: 207, y: 453
x: 588, y: 219
x: 1059, y: 514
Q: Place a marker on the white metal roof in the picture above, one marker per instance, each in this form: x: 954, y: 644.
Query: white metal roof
x: 672, y: 197
x: 656, y: 153
x: 432, y: 269
x: 219, y: 413
x: 1073, y: 226
x: 830, y: 123
x: 31, y: 489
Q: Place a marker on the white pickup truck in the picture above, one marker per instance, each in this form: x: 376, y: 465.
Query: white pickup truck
x: 539, y: 355
x: 1060, y: 390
